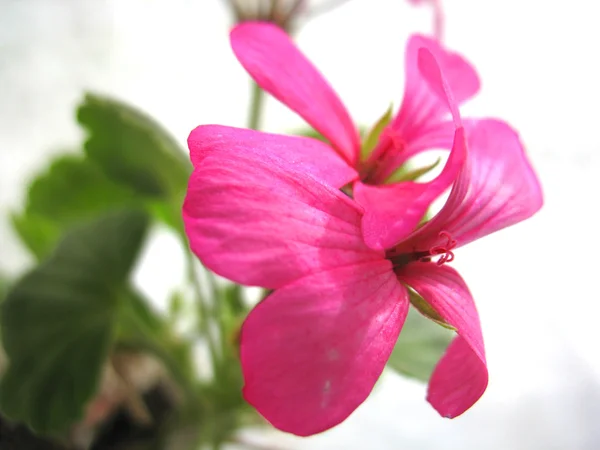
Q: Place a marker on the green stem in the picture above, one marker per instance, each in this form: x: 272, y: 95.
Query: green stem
x: 152, y: 337
x: 218, y: 313
x: 256, y: 106
x: 204, y: 323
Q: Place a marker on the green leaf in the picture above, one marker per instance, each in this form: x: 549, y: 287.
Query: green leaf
x: 38, y: 234
x: 57, y: 322
x: 420, y: 346
x: 404, y: 173
x: 132, y: 148
x: 372, y: 137
x: 74, y: 188
x: 71, y: 190
x: 4, y: 286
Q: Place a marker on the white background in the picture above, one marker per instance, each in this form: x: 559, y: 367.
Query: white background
x: 535, y: 284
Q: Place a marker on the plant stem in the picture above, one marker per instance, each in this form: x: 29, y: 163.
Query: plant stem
x: 256, y: 106
x: 203, y: 306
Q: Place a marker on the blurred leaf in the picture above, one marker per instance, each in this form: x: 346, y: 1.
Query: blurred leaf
x: 38, y: 234
x: 3, y: 287
x: 57, y: 321
x: 72, y: 189
x: 420, y: 346
x: 168, y: 213
x: 132, y: 148
x: 75, y: 188
x: 404, y: 173
x: 372, y: 137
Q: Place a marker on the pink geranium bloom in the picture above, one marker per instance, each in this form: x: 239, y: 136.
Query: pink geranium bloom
x: 265, y: 209
x: 422, y: 122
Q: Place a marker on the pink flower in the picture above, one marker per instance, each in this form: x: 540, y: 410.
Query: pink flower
x: 421, y: 123
x: 265, y: 209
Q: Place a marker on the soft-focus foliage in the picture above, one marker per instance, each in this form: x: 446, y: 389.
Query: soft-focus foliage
x: 58, y: 321
x: 72, y: 189
x: 420, y: 346
x: 132, y: 149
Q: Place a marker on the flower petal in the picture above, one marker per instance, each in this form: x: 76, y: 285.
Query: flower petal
x: 496, y: 188
x: 421, y: 106
x: 393, y: 211
x: 438, y: 136
x: 260, y: 221
x: 276, y: 64
x: 395, y: 146
x: 460, y: 378
x: 309, y: 155
x: 312, y: 351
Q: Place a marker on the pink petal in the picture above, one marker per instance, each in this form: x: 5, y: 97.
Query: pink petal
x: 309, y: 155
x: 261, y: 221
x: 278, y: 66
x: 421, y: 107
x: 388, y: 155
x: 393, y: 211
x: 312, y: 351
x: 438, y: 136
x: 460, y: 378
x: 496, y: 188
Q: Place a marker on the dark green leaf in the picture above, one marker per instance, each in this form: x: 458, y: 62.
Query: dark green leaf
x: 73, y: 189
x: 4, y: 285
x: 133, y: 149
x: 420, y: 346
x: 39, y: 234
x: 57, y: 321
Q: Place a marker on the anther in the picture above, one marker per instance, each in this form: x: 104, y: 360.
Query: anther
x: 444, y: 250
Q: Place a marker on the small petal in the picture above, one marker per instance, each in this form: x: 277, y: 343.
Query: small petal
x: 278, y: 66
x: 460, y: 378
x: 436, y: 132
x: 421, y: 106
x: 312, y: 351
x: 261, y: 221
x: 393, y: 211
x: 309, y: 155
x: 496, y: 188
x: 437, y: 136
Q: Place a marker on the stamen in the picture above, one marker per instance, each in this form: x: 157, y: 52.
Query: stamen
x: 443, y: 250
x: 380, y: 164
x: 395, y: 137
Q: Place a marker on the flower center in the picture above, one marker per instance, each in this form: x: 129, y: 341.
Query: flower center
x: 381, y: 163
x: 443, y: 251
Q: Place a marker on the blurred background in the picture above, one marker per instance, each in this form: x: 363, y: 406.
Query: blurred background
x: 535, y: 284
